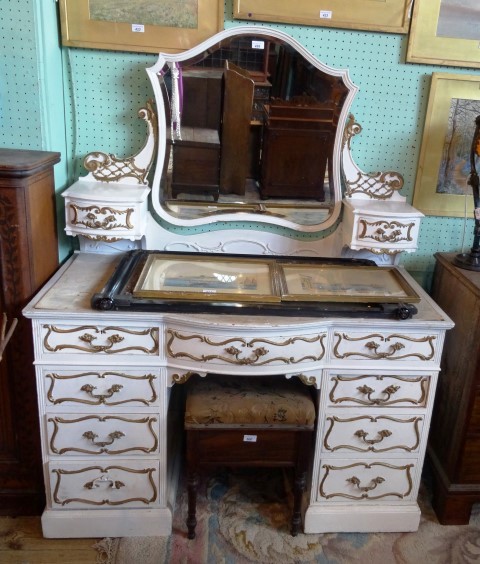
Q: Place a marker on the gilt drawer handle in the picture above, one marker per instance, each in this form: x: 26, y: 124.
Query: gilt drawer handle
x: 112, y: 339
x: 257, y: 353
x: 374, y: 483
x: 384, y: 433
x: 101, y: 397
x: 91, y: 436
x: 104, y: 479
x: 394, y: 347
x: 388, y: 391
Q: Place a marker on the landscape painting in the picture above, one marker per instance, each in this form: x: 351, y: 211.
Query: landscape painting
x: 459, y: 19
x: 165, y: 13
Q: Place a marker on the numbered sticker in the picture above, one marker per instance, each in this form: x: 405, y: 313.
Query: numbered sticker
x: 258, y: 44
x: 326, y: 14
x: 138, y: 28
x: 249, y: 438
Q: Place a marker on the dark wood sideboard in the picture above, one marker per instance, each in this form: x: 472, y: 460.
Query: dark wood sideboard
x: 454, y: 444
x: 28, y: 257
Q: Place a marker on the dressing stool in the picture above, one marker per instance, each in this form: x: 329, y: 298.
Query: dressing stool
x: 248, y: 421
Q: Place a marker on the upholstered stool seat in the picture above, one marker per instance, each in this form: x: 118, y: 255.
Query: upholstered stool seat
x: 248, y: 421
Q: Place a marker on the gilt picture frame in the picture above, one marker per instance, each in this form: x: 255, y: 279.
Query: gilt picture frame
x: 312, y: 282
x: 445, y: 32
x: 441, y: 187
x: 139, y: 25
x: 210, y: 279
x: 391, y: 16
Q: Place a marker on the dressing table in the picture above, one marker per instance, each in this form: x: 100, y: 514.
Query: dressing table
x: 106, y: 379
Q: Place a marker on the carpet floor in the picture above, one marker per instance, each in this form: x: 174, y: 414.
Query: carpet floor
x: 243, y: 517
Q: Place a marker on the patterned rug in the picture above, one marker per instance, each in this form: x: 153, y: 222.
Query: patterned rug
x: 243, y: 518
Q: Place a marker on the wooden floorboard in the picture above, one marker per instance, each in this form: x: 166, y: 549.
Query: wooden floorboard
x: 21, y: 542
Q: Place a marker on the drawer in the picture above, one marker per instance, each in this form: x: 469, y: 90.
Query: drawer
x: 372, y: 433
x: 99, y: 340
x: 110, y: 434
x: 245, y: 350
x: 107, y: 388
x: 361, y: 346
x: 378, y: 390
x: 84, y: 485
x: 357, y: 480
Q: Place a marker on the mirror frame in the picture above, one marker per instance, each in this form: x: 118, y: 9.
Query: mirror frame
x: 244, y: 216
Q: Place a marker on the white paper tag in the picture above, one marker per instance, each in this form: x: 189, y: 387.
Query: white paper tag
x: 249, y: 438
x: 326, y: 14
x: 258, y: 44
x: 138, y: 28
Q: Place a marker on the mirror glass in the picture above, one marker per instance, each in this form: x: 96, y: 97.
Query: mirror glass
x: 250, y: 128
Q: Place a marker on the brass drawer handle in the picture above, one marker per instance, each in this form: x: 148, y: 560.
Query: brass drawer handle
x: 91, y: 436
x: 381, y: 435
x: 101, y: 397
x: 388, y: 391
x: 394, y: 347
x: 104, y: 479
x: 374, y: 483
x: 113, y: 340
x: 256, y: 354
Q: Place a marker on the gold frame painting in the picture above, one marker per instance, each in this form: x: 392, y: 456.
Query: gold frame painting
x: 441, y: 185
x: 344, y: 283
x: 391, y: 16
x: 457, y: 45
x: 212, y: 279
x: 107, y: 29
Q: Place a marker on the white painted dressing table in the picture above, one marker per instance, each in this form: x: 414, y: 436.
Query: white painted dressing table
x: 105, y: 378
x: 104, y: 381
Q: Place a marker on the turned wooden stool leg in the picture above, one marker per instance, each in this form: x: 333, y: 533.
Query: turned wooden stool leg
x: 192, y: 485
x: 299, y: 485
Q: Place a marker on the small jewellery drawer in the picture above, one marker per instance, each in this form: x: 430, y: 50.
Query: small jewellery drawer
x: 378, y: 390
x: 245, y: 351
x: 124, y: 483
x: 108, y: 388
x: 99, y: 340
x: 358, y: 346
x: 110, y: 434
x: 342, y: 479
x: 374, y: 434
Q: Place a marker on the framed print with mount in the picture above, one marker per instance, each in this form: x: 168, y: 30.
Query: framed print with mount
x: 139, y: 25
x: 373, y: 15
x: 255, y: 285
x: 441, y: 185
x: 445, y: 32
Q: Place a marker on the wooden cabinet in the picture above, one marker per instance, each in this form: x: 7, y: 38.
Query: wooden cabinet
x: 28, y: 256
x: 297, y: 143
x: 454, y: 445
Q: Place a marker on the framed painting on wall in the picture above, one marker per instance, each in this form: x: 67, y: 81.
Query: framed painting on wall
x: 444, y: 167
x: 445, y: 32
x: 139, y: 25
x: 374, y: 15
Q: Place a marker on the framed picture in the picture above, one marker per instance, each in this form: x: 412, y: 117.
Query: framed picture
x: 190, y: 278
x: 445, y: 32
x: 254, y: 285
x: 313, y: 282
x: 373, y: 15
x: 139, y: 25
x: 444, y: 167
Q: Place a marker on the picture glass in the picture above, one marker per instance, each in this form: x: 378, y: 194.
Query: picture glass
x: 459, y: 19
x: 187, y: 278
x: 344, y: 283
